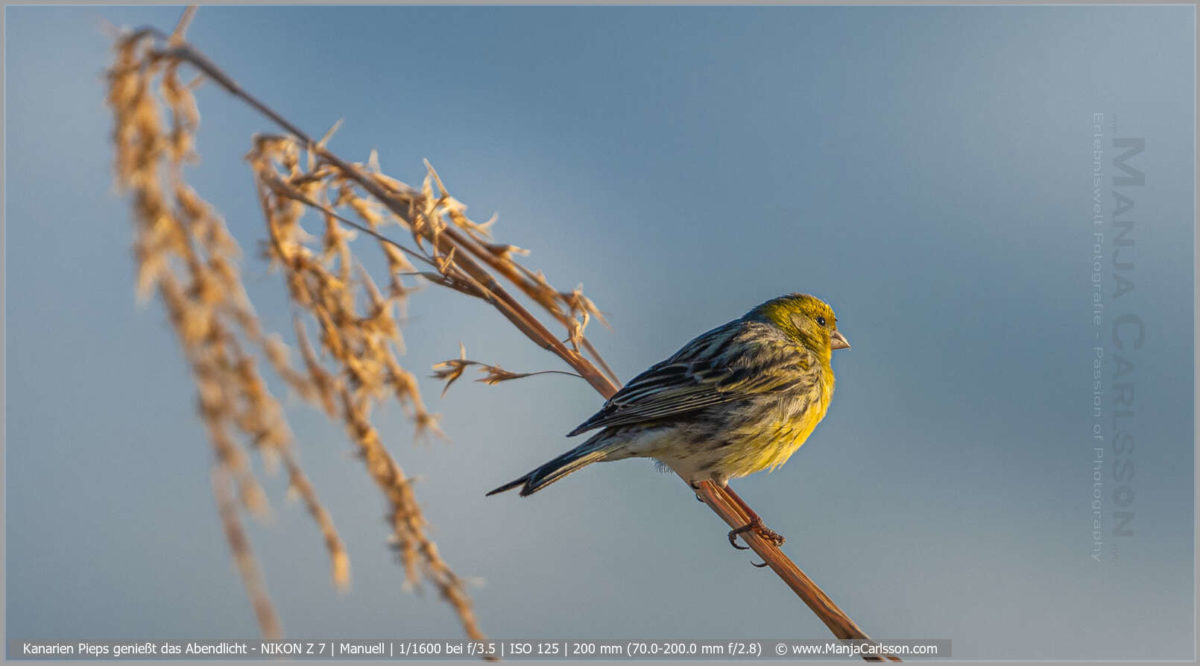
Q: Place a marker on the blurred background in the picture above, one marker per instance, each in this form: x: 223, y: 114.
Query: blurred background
x: 925, y: 170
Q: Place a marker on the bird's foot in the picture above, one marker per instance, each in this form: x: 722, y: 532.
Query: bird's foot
x: 761, y: 530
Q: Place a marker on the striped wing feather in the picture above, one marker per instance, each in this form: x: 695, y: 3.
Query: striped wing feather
x: 710, y: 370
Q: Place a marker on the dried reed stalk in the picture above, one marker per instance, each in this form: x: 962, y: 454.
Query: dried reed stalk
x: 295, y: 173
x: 184, y: 253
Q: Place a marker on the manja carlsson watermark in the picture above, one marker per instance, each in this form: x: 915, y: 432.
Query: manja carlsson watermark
x: 477, y: 650
x: 1119, y: 332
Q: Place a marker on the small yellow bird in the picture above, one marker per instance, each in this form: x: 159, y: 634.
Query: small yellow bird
x: 738, y: 399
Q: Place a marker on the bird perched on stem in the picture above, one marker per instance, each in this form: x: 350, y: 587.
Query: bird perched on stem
x: 736, y: 400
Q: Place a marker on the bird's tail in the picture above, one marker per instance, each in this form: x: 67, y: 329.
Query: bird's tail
x: 593, y: 450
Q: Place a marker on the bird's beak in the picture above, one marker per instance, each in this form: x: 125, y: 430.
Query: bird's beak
x: 838, y: 341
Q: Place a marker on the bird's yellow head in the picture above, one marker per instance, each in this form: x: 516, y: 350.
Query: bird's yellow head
x: 806, y: 319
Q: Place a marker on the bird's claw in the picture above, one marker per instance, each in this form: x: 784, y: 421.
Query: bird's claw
x: 761, y: 530
x: 771, y: 535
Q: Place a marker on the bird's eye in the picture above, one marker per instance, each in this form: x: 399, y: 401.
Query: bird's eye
x: 821, y: 320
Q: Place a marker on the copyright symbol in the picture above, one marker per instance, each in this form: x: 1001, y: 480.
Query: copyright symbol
x: 781, y: 649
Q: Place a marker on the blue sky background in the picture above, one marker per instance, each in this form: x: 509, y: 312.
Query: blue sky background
x: 925, y: 170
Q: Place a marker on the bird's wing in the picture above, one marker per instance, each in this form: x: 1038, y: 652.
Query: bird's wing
x: 726, y: 364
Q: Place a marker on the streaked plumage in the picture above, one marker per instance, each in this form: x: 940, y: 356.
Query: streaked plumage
x: 736, y: 400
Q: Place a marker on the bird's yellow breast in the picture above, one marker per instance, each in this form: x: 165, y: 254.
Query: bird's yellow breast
x: 769, y: 443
